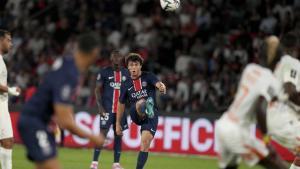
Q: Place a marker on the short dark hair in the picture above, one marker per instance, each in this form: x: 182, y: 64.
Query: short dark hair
x: 134, y: 57
x: 115, y: 52
x: 88, y: 42
x: 3, y: 33
x: 289, y: 41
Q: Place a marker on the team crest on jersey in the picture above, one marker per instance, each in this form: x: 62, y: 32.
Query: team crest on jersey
x: 144, y: 84
x: 124, y: 78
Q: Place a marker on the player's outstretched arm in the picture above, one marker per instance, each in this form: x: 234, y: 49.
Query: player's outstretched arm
x: 15, y: 91
x: 261, y: 117
x: 120, y: 111
x: 64, y: 118
x: 161, y: 87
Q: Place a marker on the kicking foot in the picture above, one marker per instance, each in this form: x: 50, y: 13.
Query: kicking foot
x: 117, y: 166
x: 149, y: 107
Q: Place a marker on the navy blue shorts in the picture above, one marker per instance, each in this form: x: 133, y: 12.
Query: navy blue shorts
x: 37, y: 138
x: 149, y: 124
x: 110, y: 119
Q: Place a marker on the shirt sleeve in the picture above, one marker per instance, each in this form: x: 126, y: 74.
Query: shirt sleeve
x: 100, y: 77
x: 153, y: 79
x: 62, y: 92
x: 123, y: 94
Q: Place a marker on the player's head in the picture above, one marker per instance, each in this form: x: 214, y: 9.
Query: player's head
x: 5, y: 41
x: 87, y: 49
x: 116, y: 59
x: 134, y: 63
x: 290, y: 43
x: 270, y: 52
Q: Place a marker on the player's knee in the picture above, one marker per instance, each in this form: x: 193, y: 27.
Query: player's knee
x: 7, y: 143
x: 145, y: 145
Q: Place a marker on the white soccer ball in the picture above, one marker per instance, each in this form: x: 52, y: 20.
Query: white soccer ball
x: 169, y: 5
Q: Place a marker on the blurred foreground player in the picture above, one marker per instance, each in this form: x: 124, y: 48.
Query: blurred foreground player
x: 283, y: 116
x: 109, y: 82
x: 258, y: 87
x: 54, y: 97
x: 6, y: 132
x: 140, y: 91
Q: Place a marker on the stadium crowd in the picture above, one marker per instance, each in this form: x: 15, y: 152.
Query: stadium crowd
x: 198, y: 51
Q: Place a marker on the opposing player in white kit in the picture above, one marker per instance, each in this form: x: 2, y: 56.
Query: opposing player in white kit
x: 6, y: 133
x: 257, y: 87
x: 283, y: 117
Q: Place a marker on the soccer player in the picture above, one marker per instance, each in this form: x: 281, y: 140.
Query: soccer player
x: 109, y: 82
x: 282, y: 116
x: 139, y: 90
x: 257, y: 87
x: 54, y: 97
x: 6, y: 133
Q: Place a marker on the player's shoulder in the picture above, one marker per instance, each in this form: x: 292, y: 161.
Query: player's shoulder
x: 289, y: 60
x: 63, y: 69
x: 256, y: 68
x: 148, y: 74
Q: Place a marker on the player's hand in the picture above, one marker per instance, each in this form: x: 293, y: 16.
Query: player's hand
x: 15, y: 91
x: 102, y: 113
x: 119, y: 129
x: 162, y: 88
x: 98, y: 140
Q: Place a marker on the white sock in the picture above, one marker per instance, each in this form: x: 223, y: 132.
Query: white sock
x: 294, y: 167
x: 5, y: 158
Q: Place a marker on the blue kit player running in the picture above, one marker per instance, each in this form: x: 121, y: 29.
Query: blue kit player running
x: 54, y: 97
x: 109, y: 82
x: 140, y: 91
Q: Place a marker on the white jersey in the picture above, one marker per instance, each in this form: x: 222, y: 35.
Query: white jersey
x: 3, y: 79
x: 288, y: 70
x: 5, y: 121
x: 256, y: 81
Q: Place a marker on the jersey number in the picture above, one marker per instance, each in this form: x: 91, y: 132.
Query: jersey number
x: 293, y: 73
x: 43, y: 141
x: 106, y: 117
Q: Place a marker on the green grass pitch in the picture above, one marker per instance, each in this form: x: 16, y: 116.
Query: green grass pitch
x: 80, y: 159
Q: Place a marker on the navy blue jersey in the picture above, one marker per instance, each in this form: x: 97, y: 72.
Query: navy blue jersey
x: 111, y: 81
x: 58, y: 86
x: 141, y: 88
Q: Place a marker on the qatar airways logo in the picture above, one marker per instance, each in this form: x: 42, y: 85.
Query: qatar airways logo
x: 140, y: 94
x: 115, y: 85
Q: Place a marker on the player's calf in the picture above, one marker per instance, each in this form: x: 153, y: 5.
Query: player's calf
x: 145, y: 145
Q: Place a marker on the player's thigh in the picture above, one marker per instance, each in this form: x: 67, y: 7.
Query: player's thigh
x: 49, y: 164
x: 39, y: 142
x: 6, y: 131
x: 150, y: 124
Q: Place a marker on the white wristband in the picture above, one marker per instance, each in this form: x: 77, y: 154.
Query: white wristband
x: 13, y: 91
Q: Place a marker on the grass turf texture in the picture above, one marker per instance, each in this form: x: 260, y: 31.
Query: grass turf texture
x: 81, y: 158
